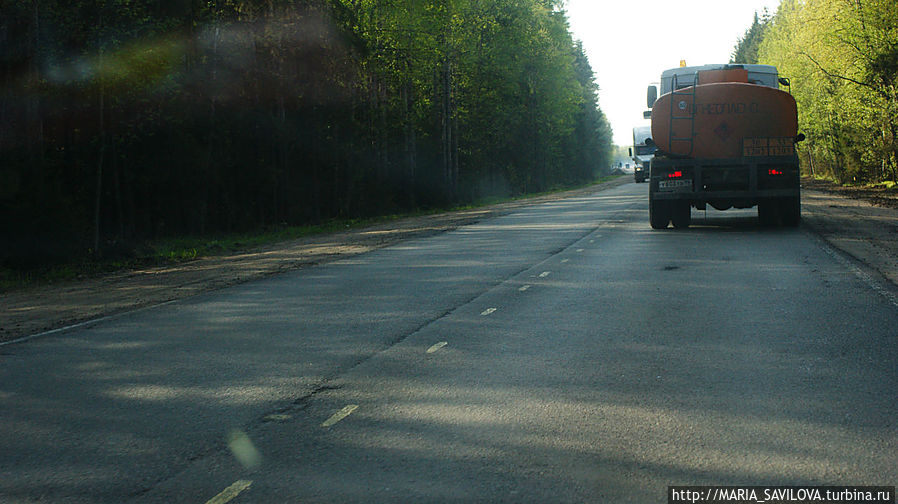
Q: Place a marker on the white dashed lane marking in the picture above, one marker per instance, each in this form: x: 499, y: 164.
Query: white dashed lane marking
x: 340, y: 415
x: 437, y: 346
x: 488, y: 311
x: 230, y: 492
x: 544, y: 274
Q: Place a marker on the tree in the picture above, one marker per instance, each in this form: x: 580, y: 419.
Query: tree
x: 144, y: 119
x: 841, y: 55
x: 746, y: 50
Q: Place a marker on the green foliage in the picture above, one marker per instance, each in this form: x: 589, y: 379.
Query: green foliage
x: 842, y: 57
x: 746, y: 50
x: 128, y: 120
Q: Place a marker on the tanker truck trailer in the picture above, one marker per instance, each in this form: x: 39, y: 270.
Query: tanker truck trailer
x: 725, y: 136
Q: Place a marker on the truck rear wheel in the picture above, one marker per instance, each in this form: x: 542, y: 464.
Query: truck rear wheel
x: 790, y: 211
x: 681, y: 215
x: 659, y: 214
x: 768, y: 213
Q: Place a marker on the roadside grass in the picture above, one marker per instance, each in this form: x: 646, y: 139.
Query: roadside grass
x: 822, y: 178
x: 179, y: 249
x: 888, y: 185
x: 187, y: 248
x: 171, y: 250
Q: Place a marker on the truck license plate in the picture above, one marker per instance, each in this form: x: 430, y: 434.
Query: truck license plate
x: 675, y: 185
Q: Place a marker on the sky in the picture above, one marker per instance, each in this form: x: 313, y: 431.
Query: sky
x: 629, y: 44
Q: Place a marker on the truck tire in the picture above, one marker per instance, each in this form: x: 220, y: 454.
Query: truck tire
x: 681, y: 214
x: 659, y: 214
x: 790, y: 211
x: 768, y: 213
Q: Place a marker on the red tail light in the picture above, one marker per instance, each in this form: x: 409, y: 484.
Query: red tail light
x: 774, y: 171
x: 676, y: 174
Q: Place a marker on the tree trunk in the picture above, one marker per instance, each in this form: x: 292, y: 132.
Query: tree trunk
x: 100, y: 157
x: 447, y: 133
x: 35, y: 136
x: 410, y: 143
x: 282, y: 177
x: 890, y: 170
x: 116, y: 169
x: 206, y: 168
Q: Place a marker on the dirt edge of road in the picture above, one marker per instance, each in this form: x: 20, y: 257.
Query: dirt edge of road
x: 880, y: 196
x: 848, y: 221
x: 859, y: 222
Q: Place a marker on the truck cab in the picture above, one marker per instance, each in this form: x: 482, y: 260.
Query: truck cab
x: 686, y: 76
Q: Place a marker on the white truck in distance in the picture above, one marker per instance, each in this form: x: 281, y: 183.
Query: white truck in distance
x: 641, y: 153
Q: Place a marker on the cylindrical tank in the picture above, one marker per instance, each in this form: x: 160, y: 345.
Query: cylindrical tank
x: 713, y: 120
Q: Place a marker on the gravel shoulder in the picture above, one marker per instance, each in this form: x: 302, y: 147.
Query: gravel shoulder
x: 863, y: 226
x: 860, y: 222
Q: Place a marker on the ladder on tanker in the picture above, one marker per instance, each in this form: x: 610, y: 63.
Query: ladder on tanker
x: 686, y: 108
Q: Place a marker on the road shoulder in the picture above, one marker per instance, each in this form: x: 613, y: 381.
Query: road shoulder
x: 865, y: 231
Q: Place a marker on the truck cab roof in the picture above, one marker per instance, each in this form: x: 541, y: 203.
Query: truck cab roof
x: 640, y: 133
x: 764, y: 75
x: 642, y: 153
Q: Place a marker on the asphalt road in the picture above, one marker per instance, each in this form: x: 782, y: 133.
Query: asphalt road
x: 562, y: 353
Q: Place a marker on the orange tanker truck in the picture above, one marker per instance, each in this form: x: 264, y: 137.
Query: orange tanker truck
x: 725, y: 136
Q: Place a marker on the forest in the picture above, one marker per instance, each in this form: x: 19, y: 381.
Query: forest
x: 129, y: 120
x: 842, y: 59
